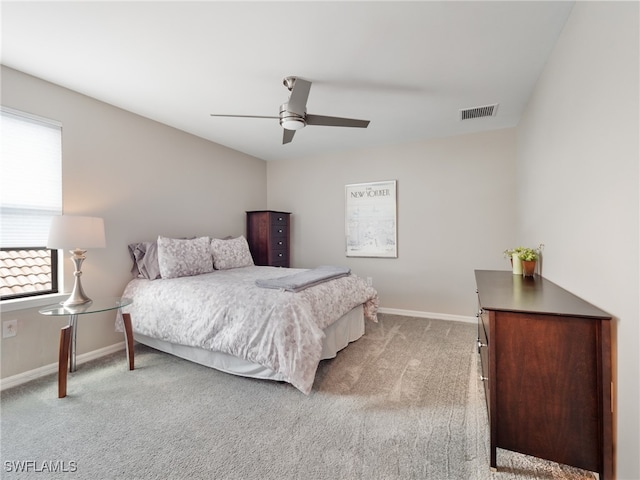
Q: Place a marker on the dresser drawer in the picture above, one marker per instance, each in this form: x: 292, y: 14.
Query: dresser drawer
x: 279, y: 219
x: 279, y: 243
x: 483, y: 348
x: 483, y: 338
x: 279, y: 233
x: 279, y: 258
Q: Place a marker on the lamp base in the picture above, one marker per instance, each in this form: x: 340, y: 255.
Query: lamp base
x: 77, y: 297
x: 76, y: 302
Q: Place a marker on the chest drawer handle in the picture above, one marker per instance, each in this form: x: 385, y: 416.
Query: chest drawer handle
x: 279, y: 254
x: 483, y: 378
x: 280, y: 230
x: 480, y: 345
x: 279, y: 243
x: 280, y: 219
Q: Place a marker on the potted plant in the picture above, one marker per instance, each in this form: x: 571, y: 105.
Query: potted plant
x: 528, y: 257
x: 523, y: 259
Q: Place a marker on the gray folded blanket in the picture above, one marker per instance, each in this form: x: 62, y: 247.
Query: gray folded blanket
x: 301, y: 280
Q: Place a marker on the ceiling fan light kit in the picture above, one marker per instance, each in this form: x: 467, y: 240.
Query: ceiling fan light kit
x: 293, y: 114
x: 290, y: 120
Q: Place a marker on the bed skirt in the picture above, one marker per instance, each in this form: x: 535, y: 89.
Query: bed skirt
x: 338, y: 335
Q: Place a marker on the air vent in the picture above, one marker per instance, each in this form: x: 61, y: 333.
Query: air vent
x: 479, y: 112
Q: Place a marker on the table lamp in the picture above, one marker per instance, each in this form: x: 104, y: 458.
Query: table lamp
x: 78, y: 233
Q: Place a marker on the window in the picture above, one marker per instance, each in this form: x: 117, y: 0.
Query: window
x: 30, y: 194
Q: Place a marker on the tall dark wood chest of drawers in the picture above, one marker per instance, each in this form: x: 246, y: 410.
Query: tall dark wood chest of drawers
x: 268, y: 237
x: 546, y: 368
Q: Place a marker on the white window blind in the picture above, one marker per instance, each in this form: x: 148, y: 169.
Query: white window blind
x: 31, y: 178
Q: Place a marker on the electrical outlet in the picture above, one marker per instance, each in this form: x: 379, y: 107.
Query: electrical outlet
x: 9, y: 328
x: 370, y: 281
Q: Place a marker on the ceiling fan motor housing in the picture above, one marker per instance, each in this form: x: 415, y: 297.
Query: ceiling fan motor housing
x: 290, y: 120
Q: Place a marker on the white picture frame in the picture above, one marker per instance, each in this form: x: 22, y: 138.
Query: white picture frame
x: 370, y: 219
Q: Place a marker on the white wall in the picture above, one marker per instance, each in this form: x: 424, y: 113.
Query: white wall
x: 578, y: 154
x: 456, y: 213
x: 145, y: 179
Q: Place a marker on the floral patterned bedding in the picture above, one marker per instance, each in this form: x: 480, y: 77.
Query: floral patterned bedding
x: 225, y: 311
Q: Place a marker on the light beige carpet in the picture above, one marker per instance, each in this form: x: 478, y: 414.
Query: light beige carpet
x: 403, y: 402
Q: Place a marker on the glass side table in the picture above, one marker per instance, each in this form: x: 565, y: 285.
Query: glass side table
x: 67, y: 353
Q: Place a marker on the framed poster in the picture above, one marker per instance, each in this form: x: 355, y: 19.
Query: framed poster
x: 370, y: 219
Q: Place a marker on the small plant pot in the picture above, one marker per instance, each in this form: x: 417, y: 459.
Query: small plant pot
x: 528, y: 268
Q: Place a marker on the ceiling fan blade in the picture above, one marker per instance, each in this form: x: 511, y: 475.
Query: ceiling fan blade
x: 287, y: 136
x: 241, y: 116
x: 336, y: 121
x: 298, y: 97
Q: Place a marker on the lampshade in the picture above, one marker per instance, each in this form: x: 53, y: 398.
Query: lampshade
x: 69, y: 231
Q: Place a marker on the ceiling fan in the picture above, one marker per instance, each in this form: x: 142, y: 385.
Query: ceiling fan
x: 293, y: 114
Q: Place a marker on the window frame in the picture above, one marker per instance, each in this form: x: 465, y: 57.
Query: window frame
x: 53, y: 253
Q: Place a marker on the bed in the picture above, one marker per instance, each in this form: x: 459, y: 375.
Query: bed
x: 200, y: 299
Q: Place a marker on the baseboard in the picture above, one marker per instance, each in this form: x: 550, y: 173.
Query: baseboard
x: 25, y: 377
x: 436, y: 316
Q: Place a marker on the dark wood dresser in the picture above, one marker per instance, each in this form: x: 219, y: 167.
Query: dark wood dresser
x: 546, y: 369
x: 268, y: 237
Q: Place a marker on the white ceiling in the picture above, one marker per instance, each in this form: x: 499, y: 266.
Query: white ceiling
x: 409, y: 67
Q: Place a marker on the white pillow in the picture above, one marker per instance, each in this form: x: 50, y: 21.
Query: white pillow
x: 182, y: 257
x: 231, y: 253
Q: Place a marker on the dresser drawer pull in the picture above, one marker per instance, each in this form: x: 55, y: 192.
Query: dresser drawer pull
x: 280, y: 254
x: 483, y: 378
x: 280, y: 230
x: 280, y: 242
x: 280, y: 219
x: 480, y: 345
